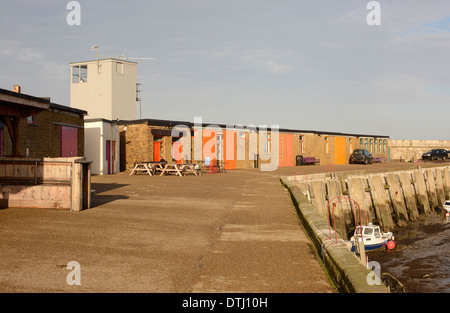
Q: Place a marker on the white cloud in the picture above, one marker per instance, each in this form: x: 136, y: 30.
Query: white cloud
x: 277, y: 68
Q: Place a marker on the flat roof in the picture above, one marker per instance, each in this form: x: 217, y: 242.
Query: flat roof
x: 171, y: 123
x: 94, y: 120
x: 104, y: 59
x: 8, y: 97
x: 68, y: 109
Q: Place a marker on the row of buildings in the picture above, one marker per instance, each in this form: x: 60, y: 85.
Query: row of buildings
x: 101, y: 125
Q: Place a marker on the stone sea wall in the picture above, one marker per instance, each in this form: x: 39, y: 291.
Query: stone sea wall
x: 387, y: 199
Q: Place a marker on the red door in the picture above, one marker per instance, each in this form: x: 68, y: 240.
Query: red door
x: 108, y: 155
x: 69, y: 141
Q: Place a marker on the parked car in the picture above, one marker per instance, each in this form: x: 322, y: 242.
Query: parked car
x: 361, y: 156
x: 435, y: 154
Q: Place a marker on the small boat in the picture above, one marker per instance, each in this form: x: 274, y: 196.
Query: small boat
x: 372, y: 237
x: 446, y: 206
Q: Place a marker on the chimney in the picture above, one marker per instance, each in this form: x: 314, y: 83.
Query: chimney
x: 16, y: 88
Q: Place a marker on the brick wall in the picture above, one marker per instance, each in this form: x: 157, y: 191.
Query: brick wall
x: 43, y: 139
x: 136, y: 144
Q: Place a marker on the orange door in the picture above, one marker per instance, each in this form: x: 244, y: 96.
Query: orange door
x: 339, y: 150
x: 157, y: 151
x: 229, y: 149
x: 178, y: 151
x: 209, y: 144
x: 290, y: 158
x: 286, y: 153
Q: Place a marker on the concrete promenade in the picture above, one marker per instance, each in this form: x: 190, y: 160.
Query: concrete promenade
x: 227, y: 232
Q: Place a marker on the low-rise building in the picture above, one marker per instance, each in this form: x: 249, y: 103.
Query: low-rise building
x: 54, y: 131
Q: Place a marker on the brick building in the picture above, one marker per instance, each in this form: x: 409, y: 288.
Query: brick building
x: 53, y: 131
x: 238, y: 147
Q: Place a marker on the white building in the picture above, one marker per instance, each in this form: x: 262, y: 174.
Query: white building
x: 106, y: 89
x: 101, y: 145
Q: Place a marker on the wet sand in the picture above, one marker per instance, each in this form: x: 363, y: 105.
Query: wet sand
x: 421, y: 258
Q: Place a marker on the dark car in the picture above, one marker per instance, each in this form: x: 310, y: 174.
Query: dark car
x: 361, y: 156
x: 435, y: 154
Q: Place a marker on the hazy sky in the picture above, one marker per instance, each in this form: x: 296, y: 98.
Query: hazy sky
x: 313, y: 65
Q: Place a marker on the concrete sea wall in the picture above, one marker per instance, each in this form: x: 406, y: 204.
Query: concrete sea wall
x: 349, y: 274
x: 389, y: 199
x: 331, y: 205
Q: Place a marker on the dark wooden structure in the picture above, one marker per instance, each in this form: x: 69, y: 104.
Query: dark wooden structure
x: 15, y: 106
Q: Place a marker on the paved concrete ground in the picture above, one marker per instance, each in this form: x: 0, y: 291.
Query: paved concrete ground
x: 226, y: 232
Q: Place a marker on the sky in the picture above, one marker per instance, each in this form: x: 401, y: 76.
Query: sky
x: 299, y: 64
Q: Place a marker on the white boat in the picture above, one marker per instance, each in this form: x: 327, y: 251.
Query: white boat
x: 446, y: 206
x: 372, y: 237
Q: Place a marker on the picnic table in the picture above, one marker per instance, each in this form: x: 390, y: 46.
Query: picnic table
x: 157, y: 166
x: 179, y: 169
x: 148, y: 167
x: 142, y: 167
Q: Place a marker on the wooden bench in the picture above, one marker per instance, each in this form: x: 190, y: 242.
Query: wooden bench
x: 142, y: 167
x: 310, y: 160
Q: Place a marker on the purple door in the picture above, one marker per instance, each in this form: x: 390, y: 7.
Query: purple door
x: 69, y: 141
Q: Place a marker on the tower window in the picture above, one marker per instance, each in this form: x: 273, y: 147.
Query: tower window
x: 79, y: 74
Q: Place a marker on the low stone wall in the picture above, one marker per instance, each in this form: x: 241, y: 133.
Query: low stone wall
x: 346, y: 270
x: 412, y: 150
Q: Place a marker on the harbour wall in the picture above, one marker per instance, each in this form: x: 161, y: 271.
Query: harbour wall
x: 330, y: 205
x: 412, y: 150
x: 348, y: 273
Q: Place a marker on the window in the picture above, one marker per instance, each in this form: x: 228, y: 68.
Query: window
x: 371, y: 145
x: 375, y: 147
x: 79, y: 74
x: 366, y: 143
x: 266, y: 143
x: 31, y: 119
x: 361, y: 143
x: 301, y: 141
x: 119, y: 68
x: 377, y: 233
x: 385, y: 146
x: 327, y: 148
